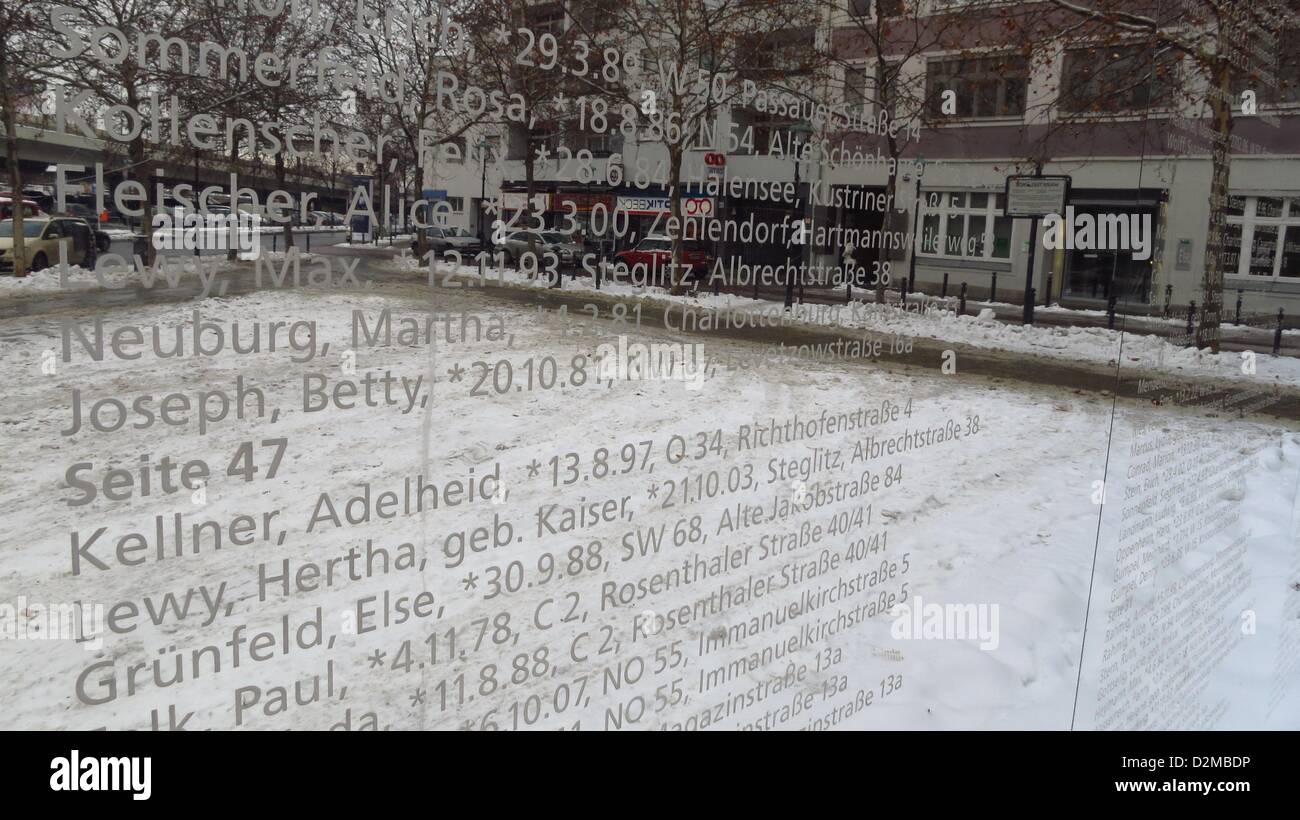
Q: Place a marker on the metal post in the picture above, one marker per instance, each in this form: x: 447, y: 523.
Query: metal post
x: 1169, y: 297
x: 1029, y: 272
x: 944, y: 292
x: 204, y: 217
x: 1047, y: 297
x: 961, y: 311
x: 1239, y: 294
x: 1191, y: 312
x: 1277, y: 336
x: 993, y: 289
x: 482, y: 193
x: 789, y: 282
x: 1110, y: 312
x: 916, y: 224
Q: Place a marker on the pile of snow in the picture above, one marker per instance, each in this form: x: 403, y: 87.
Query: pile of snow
x: 1095, y: 345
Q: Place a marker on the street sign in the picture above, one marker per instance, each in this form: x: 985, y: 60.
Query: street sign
x: 1032, y: 197
x: 643, y: 205
x: 518, y: 201
x: 697, y: 206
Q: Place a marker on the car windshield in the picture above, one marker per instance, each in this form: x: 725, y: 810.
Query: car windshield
x: 655, y: 245
x: 29, y: 228
x: 457, y: 232
x: 555, y: 238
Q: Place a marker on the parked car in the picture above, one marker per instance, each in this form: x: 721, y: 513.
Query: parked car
x: 547, y: 242
x: 87, y: 214
x: 570, y: 251
x: 657, y: 252
x: 441, y: 240
x: 326, y: 218
x: 7, y: 206
x: 82, y: 211
x: 41, y: 238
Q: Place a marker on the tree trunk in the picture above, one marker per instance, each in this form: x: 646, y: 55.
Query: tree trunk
x: 15, y: 176
x: 280, y: 182
x: 529, y: 185
x: 136, y: 153
x: 675, y: 151
x: 887, y: 225
x: 1207, y: 332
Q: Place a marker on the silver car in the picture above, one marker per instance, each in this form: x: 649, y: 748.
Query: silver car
x: 515, y: 247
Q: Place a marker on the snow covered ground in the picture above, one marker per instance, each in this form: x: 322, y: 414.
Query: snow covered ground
x: 111, y: 274
x: 1004, y: 516
x: 1090, y: 344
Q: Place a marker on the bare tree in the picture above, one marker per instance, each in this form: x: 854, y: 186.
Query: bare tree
x: 113, y: 74
x: 874, y: 48
x: 697, y: 59
x: 24, y: 51
x: 1213, y: 39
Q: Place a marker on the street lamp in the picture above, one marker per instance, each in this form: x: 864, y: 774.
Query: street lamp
x: 916, y: 224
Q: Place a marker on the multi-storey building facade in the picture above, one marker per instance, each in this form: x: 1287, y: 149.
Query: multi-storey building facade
x: 1129, y: 132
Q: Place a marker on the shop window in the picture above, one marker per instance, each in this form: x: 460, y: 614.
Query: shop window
x: 964, y: 224
x: 1262, y: 237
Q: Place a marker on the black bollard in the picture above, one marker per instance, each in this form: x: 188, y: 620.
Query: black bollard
x: 961, y: 311
x: 944, y: 293
x: 1110, y: 313
x: 1239, y: 293
x: 993, y: 289
x: 1277, y: 336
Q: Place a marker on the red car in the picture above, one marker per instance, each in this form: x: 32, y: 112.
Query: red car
x: 7, y: 206
x: 656, y: 252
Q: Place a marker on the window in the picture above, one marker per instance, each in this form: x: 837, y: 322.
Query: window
x: 600, y: 145
x: 546, y: 18
x: 756, y: 129
x: 1117, y: 78
x: 1275, y: 82
x: 985, y: 86
x: 884, y: 8
x: 894, y: 92
x: 777, y: 53
x: 966, y: 224
x: 1262, y: 237
x: 855, y: 87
